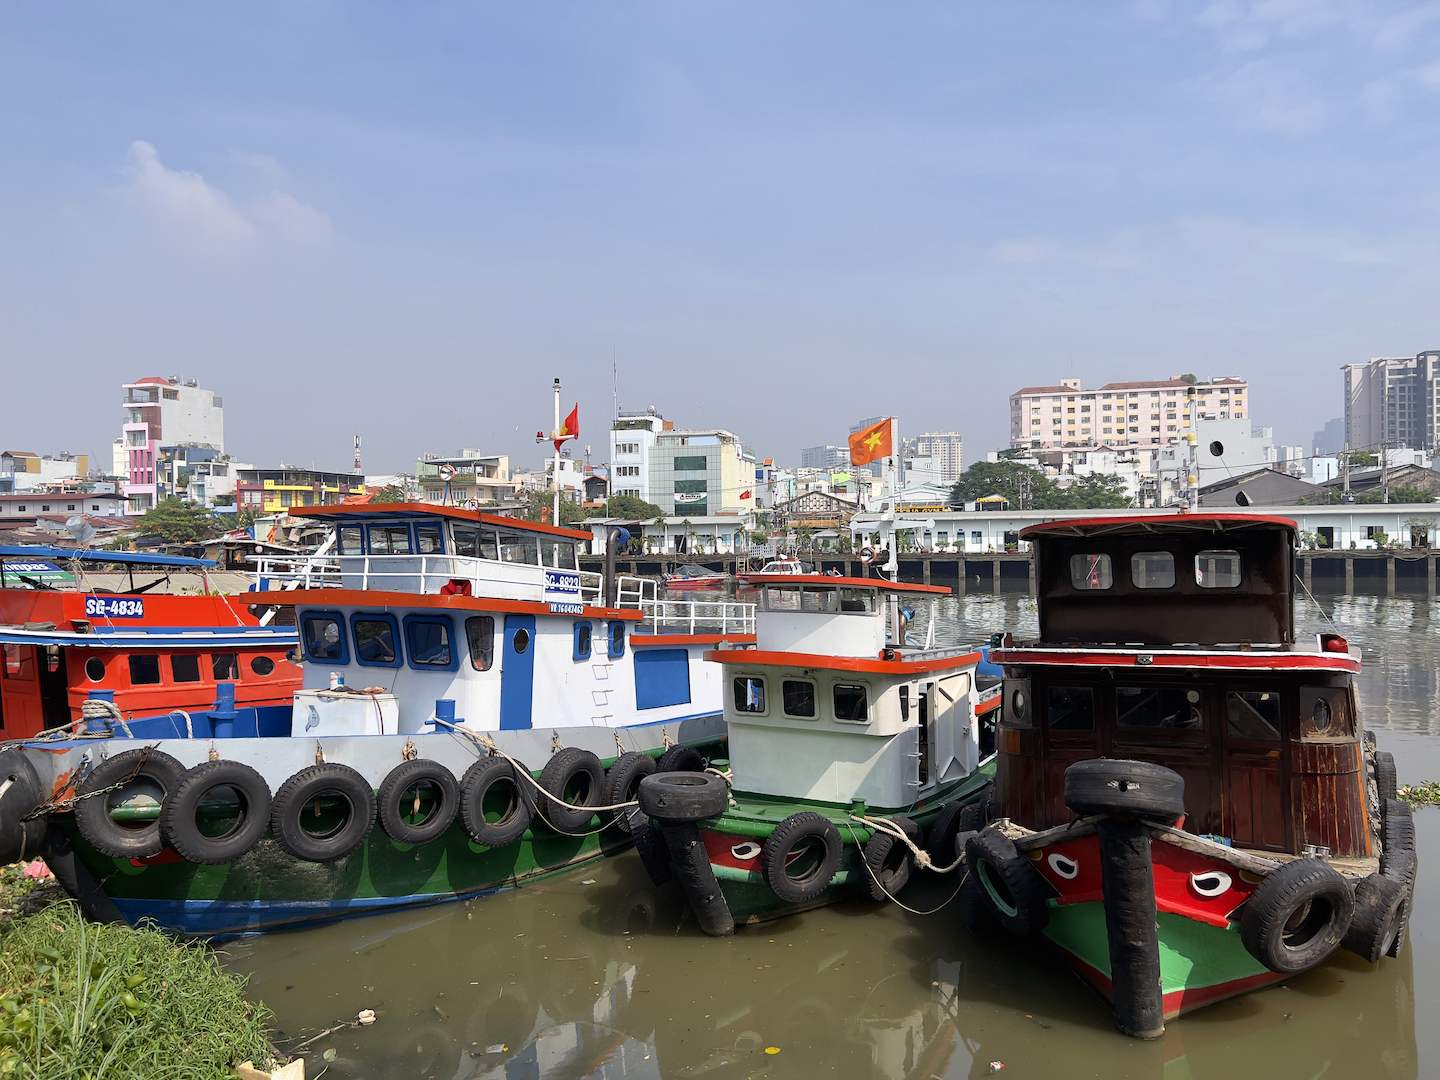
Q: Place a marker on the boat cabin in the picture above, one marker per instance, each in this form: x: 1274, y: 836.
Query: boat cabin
x: 489, y: 617
x: 824, y: 709
x: 78, y: 624
x: 1172, y: 640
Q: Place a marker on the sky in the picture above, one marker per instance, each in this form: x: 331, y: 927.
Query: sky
x: 405, y: 220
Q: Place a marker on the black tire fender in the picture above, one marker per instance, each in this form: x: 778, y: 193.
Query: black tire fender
x: 683, y: 796
x: 1309, y: 890
x: 1397, y: 839
x: 1139, y: 789
x: 1380, y: 911
x: 291, y: 807
x: 144, y: 768
x: 654, y: 854
x: 1385, y: 782
x: 487, y: 775
x: 888, y: 862
x: 622, y: 782
x: 395, y: 801
x: 1016, y: 893
x: 690, y: 864
x: 20, y: 794
x: 577, y: 777
x: 680, y: 759
x: 790, y: 837
x: 940, y: 836
x: 179, y: 814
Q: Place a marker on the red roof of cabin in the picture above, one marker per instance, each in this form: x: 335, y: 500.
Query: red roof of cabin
x: 1139, y: 523
x: 849, y: 582
x: 411, y: 509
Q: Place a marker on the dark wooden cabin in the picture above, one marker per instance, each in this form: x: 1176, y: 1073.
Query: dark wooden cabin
x: 1172, y: 639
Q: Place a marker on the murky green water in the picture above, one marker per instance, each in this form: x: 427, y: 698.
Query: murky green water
x: 593, y: 975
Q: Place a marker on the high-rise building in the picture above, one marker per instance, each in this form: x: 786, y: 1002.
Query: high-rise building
x: 824, y: 457
x: 632, y: 439
x: 160, y: 413
x: 946, y: 451
x: 1393, y: 401
x: 700, y: 471
x: 1123, y: 415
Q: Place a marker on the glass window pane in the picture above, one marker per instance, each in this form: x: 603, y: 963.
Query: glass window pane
x: 480, y: 635
x: 428, y: 540
x: 749, y: 694
x: 850, y: 703
x: 1252, y: 714
x: 1325, y: 713
x: 857, y: 600
x: 322, y: 638
x: 351, y: 540
x: 1152, y: 569
x: 1091, y: 571
x: 777, y: 599
x: 224, y: 667
x: 429, y: 643
x: 144, y: 669
x: 1070, y: 708
x: 467, y: 541
x: 1167, y: 708
x: 185, y: 667
x: 799, y: 697
x: 374, y: 641
x: 516, y: 548
x: 489, y: 547
x: 1217, y: 569
x: 817, y: 600
x: 568, y: 557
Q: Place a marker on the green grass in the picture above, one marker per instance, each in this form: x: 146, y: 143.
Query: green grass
x: 1423, y: 794
x: 84, y: 1001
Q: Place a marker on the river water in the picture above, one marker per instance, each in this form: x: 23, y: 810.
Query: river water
x: 594, y: 975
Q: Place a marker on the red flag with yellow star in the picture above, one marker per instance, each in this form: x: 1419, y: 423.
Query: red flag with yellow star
x: 873, y: 443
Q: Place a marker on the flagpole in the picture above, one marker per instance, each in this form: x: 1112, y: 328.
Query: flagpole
x: 892, y: 565
x: 555, y: 471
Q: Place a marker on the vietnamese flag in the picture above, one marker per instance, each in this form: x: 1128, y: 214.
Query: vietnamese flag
x: 872, y: 443
x: 570, y: 429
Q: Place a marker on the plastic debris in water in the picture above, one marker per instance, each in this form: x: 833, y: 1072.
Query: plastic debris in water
x: 772, y: 1050
x: 996, y: 1066
x: 365, y: 1016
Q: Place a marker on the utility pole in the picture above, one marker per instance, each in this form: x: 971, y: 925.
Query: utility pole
x: 1384, y: 471
x: 1345, y: 474
x: 1192, y: 481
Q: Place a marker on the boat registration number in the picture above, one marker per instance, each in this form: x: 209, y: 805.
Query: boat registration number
x: 115, y: 607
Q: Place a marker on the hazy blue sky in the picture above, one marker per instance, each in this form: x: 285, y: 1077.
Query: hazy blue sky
x: 404, y: 219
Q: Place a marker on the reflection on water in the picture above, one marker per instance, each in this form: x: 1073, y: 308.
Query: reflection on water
x: 592, y: 975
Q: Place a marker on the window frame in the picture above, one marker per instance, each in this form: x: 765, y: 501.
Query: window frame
x: 470, y: 642
x: 1231, y: 735
x: 359, y: 532
x: 371, y: 530
x: 1240, y: 574
x: 615, y: 641
x: 413, y: 620
x: 835, y: 689
x: 358, y: 617
x: 234, y: 666
x: 306, y: 617
x: 174, y: 672
x: 1135, y: 578
x: 736, y: 707
x: 1085, y: 733
x: 428, y: 528
x: 1108, y: 564
x: 143, y: 655
x: 814, y: 713
x: 579, y: 652
x: 261, y: 658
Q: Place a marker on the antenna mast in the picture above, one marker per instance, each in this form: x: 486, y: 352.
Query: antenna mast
x: 355, y: 465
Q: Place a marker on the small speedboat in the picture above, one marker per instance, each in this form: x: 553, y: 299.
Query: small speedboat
x: 691, y: 576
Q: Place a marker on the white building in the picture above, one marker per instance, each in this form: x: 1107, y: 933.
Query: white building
x: 21, y: 470
x: 946, y: 452
x: 212, y: 483
x: 632, y: 440
x: 162, y: 412
x: 699, y: 472
x: 1123, y: 415
x: 1393, y: 401
x: 708, y: 534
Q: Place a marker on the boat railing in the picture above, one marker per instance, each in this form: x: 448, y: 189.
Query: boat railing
x: 697, y: 617
x: 405, y: 573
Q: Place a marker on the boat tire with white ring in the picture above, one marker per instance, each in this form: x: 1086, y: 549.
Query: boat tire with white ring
x: 680, y: 759
x: 782, y: 854
x: 1016, y: 892
x: 1136, y: 789
x: 622, y: 783
x: 306, y: 829
x: 577, y: 777
x: 1378, y: 923
x: 20, y: 795
x: 683, y: 796
x: 180, y: 812
x: 400, y: 797
x: 495, y: 805
x: 1297, y: 916
x: 889, y: 862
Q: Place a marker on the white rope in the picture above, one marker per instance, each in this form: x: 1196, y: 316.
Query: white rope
x: 891, y: 896
x: 189, y: 727
x: 889, y: 828
x: 96, y: 709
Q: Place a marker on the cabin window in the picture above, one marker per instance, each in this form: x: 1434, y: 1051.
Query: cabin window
x: 427, y: 642
x: 262, y: 665
x: 1252, y: 714
x: 224, y: 667
x: 904, y: 703
x: 1091, y: 571
x: 584, y: 633
x: 480, y: 636
x: 1017, y: 703
x: 19, y: 662
x: 144, y: 669
x: 1161, y: 708
x: 617, y: 639
x: 550, y: 551
x: 518, y: 548
x: 95, y: 669
x: 351, y: 540
x: 850, y: 704
x: 1217, y: 569
x: 428, y: 540
x: 817, y: 600
x: 1070, y: 708
x: 566, y: 556
x: 475, y: 543
x: 749, y: 694
x: 375, y: 640
x: 858, y: 601
x: 185, y: 667
x: 1324, y: 713
x: 798, y: 697
x: 782, y: 599
x: 323, y: 637
x: 1152, y: 569
x: 389, y: 540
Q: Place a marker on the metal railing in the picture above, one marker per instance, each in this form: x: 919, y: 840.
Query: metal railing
x: 697, y: 617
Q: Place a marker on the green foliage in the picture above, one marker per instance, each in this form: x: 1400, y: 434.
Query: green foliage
x: 1028, y: 488
x: 629, y: 506
x: 180, y: 522
x: 1426, y: 793
x: 1362, y: 459
x: 81, y: 999
x: 390, y: 493
x: 538, y: 505
x: 1401, y: 493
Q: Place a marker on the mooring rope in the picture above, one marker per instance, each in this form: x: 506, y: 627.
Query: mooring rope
x: 891, y: 896
x: 96, y: 709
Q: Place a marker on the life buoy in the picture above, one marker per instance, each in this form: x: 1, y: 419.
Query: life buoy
x: 889, y: 862
x: 1381, y: 908
x: 232, y: 784
x: 494, y: 806
x: 801, y: 856
x: 1297, y: 916
x: 323, y: 812
x: 622, y: 782
x: 143, y: 775
x: 1016, y: 893
x: 577, y: 777
x: 418, y: 801
x: 683, y: 796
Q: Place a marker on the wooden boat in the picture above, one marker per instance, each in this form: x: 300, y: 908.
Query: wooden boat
x: 72, y: 633
x: 465, y: 686
x: 1188, y: 804
x: 843, y: 753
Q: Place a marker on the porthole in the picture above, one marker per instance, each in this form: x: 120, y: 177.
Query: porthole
x: 1018, y: 702
x: 262, y: 665
x: 521, y: 640
x: 95, y: 669
x: 1320, y: 716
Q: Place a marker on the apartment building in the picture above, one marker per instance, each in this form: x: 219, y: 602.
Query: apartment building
x: 465, y: 478
x: 162, y: 412
x: 632, y: 442
x: 946, y: 453
x: 273, y: 490
x: 1122, y: 415
x: 21, y: 470
x: 697, y: 472
x: 1393, y: 401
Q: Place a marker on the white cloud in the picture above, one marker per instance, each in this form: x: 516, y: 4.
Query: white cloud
x: 195, y: 210
x: 1272, y: 96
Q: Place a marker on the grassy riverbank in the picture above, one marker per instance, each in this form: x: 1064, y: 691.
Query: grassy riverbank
x: 83, y: 1000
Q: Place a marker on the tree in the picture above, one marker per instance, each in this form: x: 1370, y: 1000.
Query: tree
x: 538, y: 506
x: 629, y: 506
x: 179, y: 522
x: 390, y: 493
x: 1094, y: 492
x: 1400, y: 493
x: 1027, y: 488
